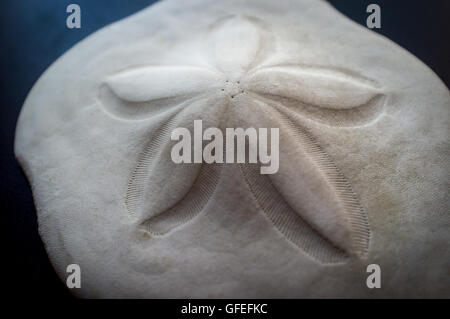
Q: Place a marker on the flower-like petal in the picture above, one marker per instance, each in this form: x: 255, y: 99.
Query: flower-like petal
x: 157, y: 82
x: 161, y: 194
x: 309, y: 200
x: 138, y: 93
x: 237, y: 43
x: 325, y: 88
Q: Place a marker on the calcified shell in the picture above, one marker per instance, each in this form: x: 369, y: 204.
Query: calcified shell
x: 364, y: 153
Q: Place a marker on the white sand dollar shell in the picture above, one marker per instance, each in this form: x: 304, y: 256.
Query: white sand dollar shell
x: 364, y: 156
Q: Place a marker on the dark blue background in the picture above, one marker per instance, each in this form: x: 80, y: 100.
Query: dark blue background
x: 34, y: 34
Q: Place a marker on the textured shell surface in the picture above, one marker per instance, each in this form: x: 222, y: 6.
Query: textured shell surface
x: 363, y: 173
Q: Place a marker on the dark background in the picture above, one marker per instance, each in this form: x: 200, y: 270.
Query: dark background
x: 33, y: 35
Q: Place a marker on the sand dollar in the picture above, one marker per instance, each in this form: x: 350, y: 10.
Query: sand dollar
x: 363, y: 172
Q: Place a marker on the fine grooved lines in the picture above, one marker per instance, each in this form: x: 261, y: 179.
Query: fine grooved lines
x: 190, y: 205
x: 194, y: 200
x: 355, y: 214
x: 138, y: 181
x: 287, y: 221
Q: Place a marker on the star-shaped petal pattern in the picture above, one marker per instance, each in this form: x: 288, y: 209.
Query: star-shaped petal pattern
x: 237, y: 87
